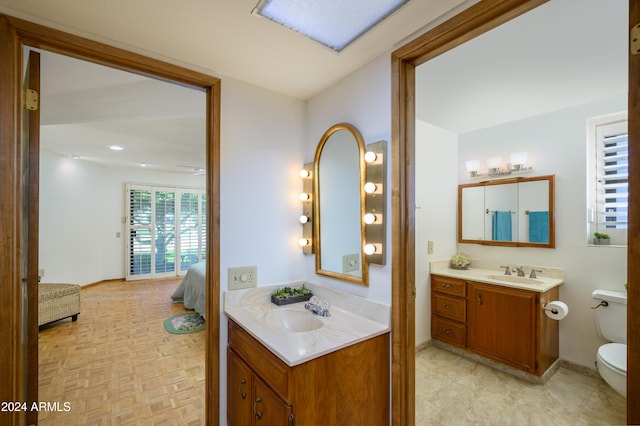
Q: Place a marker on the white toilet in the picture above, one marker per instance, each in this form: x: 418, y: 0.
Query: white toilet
x: 610, y: 311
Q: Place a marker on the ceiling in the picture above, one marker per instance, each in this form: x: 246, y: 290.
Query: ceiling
x: 562, y: 54
x: 540, y: 62
x: 86, y: 107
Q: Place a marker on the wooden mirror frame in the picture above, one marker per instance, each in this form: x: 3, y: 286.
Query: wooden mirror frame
x: 551, y: 209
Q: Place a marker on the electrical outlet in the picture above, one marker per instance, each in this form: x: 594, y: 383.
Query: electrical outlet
x: 430, y: 247
x: 350, y: 263
x: 242, y: 277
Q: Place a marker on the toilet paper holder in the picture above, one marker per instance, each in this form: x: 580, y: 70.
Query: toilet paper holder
x: 552, y: 310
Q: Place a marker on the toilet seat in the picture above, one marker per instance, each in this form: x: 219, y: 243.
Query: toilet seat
x: 614, y: 355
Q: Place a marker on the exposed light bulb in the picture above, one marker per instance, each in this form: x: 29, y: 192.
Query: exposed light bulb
x: 370, y: 187
x: 304, y: 173
x: 304, y: 196
x: 303, y: 242
x: 369, y: 218
x: 370, y: 156
x: 369, y: 249
x: 304, y: 219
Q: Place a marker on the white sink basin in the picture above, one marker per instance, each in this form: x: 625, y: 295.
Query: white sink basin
x: 293, y: 320
x: 515, y: 279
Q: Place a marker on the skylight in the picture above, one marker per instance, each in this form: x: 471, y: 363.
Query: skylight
x: 333, y: 23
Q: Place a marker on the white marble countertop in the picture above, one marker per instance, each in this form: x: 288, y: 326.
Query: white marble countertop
x: 353, y: 319
x: 492, y: 273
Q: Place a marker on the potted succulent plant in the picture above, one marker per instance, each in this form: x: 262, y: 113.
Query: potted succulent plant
x: 601, y: 239
x: 460, y: 261
x: 288, y: 295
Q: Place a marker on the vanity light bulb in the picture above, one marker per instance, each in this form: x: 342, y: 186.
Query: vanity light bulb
x: 370, y: 187
x: 369, y: 249
x: 369, y: 218
x: 303, y: 242
x: 304, y: 173
x: 304, y: 196
x: 304, y: 219
x: 518, y: 159
x: 370, y: 156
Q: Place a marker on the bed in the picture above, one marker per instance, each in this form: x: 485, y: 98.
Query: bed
x: 191, y: 291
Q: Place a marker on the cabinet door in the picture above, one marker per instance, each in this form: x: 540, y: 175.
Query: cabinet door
x: 239, y: 386
x: 501, y: 324
x: 268, y: 408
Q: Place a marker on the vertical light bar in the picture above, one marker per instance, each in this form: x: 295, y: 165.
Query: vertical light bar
x: 375, y: 204
x: 307, y: 209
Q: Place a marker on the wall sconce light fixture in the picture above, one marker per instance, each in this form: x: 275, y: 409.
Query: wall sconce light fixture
x: 375, y: 203
x: 495, y: 166
x: 472, y: 167
x: 306, y: 219
x: 517, y: 160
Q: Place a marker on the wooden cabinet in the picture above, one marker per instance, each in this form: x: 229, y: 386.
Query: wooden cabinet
x: 502, y: 323
x: 449, y: 310
x: 249, y: 400
x: 505, y: 324
x: 348, y: 386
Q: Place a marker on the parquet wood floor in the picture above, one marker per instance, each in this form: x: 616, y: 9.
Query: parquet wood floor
x: 116, y: 365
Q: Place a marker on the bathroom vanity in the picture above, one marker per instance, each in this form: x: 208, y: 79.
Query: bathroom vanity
x: 496, y: 316
x: 288, y: 366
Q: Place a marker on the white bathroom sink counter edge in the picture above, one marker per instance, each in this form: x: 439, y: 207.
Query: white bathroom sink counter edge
x: 250, y: 309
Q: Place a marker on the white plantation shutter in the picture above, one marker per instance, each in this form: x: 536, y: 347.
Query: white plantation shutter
x: 612, y: 179
x: 166, y: 230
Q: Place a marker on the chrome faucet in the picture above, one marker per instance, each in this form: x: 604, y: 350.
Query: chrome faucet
x: 533, y: 273
x: 519, y: 270
x: 507, y: 270
x: 317, y: 307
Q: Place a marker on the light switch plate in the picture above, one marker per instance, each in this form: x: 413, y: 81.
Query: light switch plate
x: 350, y: 263
x: 242, y: 277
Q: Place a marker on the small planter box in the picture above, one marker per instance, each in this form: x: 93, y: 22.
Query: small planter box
x: 290, y: 299
x: 601, y: 241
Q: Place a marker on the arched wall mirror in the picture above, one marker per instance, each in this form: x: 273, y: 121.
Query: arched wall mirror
x: 339, y: 171
x: 508, y: 212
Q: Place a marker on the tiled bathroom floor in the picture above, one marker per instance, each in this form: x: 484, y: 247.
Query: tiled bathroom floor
x: 452, y: 390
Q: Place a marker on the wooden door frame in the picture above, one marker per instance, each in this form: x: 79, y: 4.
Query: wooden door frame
x: 472, y: 22
x: 16, y: 380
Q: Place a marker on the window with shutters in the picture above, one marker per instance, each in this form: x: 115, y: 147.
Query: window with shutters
x: 166, y: 229
x: 609, y: 177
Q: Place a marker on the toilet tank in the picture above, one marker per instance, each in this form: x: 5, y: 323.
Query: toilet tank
x: 611, y: 320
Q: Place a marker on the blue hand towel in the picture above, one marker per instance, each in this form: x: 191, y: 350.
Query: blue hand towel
x: 539, y: 227
x: 502, y: 226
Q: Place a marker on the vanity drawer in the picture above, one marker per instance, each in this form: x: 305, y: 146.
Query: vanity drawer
x: 452, y: 286
x: 266, y: 365
x: 450, y: 307
x: 449, y: 331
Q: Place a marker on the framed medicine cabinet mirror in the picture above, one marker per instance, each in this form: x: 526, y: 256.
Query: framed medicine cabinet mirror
x: 508, y: 212
x: 339, y: 204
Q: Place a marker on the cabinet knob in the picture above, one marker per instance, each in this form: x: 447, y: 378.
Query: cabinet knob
x: 447, y: 331
x: 242, y: 394
x: 447, y: 285
x: 446, y: 306
x: 255, y: 408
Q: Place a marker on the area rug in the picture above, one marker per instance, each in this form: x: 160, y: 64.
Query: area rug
x: 190, y: 322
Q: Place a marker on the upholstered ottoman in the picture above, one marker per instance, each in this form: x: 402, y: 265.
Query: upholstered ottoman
x: 58, y: 301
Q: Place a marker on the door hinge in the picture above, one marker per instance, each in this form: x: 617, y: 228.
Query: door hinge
x: 634, y: 40
x: 30, y: 99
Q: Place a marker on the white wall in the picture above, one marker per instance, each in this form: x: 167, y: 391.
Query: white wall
x: 262, y: 153
x: 82, y: 206
x: 556, y: 144
x: 364, y: 100
x: 436, y: 154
